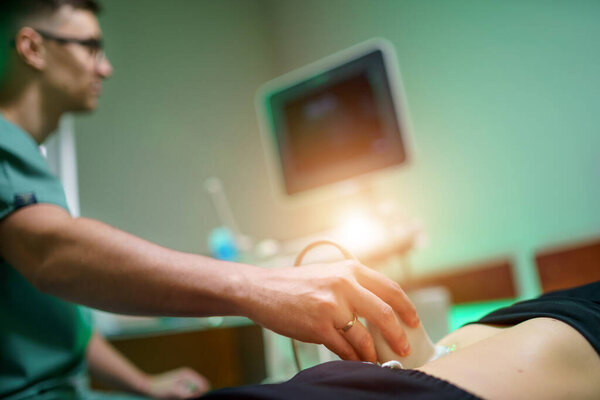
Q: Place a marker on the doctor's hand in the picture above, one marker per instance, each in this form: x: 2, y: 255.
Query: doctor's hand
x: 181, y: 383
x: 318, y: 304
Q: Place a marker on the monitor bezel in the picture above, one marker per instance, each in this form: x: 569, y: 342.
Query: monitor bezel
x: 293, y: 78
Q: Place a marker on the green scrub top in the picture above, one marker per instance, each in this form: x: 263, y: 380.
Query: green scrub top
x: 42, y: 338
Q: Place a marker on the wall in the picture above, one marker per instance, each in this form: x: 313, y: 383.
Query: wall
x: 503, y: 100
x: 178, y: 109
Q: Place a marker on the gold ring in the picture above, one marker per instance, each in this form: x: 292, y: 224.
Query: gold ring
x: 350, y: 324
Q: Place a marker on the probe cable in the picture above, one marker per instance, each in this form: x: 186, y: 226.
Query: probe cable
x: 298, y: 262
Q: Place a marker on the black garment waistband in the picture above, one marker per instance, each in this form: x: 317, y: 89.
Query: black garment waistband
x: 350, y: 380
x: 579, y: 307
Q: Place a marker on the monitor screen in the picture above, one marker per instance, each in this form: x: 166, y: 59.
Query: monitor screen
x: 335, y: 123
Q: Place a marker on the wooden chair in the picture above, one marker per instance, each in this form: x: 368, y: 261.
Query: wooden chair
x: 483, y: 281
x: 566, y: 266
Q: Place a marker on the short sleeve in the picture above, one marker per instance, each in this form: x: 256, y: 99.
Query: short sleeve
x: 25, y: 177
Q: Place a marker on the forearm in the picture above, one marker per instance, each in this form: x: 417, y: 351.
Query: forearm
x: 103, y: 267
x: 110, y: 368
x: 88, y: 262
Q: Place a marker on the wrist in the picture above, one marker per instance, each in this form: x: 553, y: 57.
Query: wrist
x: 141, y: 384
x: 245, y: 289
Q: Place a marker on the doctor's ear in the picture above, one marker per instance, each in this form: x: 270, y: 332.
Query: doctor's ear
x: 28, y: 44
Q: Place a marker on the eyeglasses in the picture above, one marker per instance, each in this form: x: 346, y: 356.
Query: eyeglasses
x: 95, y: 46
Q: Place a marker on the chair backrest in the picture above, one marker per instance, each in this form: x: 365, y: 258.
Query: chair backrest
x: 491, y: 280
x: 563, y: 267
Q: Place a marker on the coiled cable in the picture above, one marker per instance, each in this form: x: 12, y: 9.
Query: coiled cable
x: 298, y: 262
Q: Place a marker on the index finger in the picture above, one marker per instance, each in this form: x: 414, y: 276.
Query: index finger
x: 383, y: 316
x: 391, y: 293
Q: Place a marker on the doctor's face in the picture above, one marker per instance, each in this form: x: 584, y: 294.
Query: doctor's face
x: 75, y: 62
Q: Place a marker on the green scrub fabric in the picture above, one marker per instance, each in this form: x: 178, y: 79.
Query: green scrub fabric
x: 42, y: 338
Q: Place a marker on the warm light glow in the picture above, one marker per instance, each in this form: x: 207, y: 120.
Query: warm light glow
x: 360, y: 232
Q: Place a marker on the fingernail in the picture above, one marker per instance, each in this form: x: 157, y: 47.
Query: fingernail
x: 402, y: 349
x: 406, y: 350
x: 416, y: 321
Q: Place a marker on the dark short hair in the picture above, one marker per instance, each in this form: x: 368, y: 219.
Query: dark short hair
x: 26, y: 8
x: 13, y: 12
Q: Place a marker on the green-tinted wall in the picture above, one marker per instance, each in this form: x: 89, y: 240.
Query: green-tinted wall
x: 178, y: 109
x: 504, y: 100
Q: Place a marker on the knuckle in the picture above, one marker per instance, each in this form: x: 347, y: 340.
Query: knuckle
x: 341, y: 281
x: 357, y: 268
x: 388, y: 315
x: 326, y: 307
x: 396, y: 287
x: 365, y: 343
x: 346, y: 354
x: 351, y: 267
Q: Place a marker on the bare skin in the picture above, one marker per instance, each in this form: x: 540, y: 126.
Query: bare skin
x: 47, y: 78
x: 542, y: 358
x: 80, y: 260
x: 88, y: 262
x: 111, y: 368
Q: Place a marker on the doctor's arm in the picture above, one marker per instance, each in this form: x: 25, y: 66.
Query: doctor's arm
x: 109, y: 367
x: 88, y: 262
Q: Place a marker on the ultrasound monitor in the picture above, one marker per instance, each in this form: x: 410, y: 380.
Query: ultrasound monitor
x: 338, y: 119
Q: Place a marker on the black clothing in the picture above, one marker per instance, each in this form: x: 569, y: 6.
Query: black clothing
x: 350, y: 380
x: 579, y: 307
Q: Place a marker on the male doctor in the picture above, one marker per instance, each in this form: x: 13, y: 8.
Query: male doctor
x: 51, y: 261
